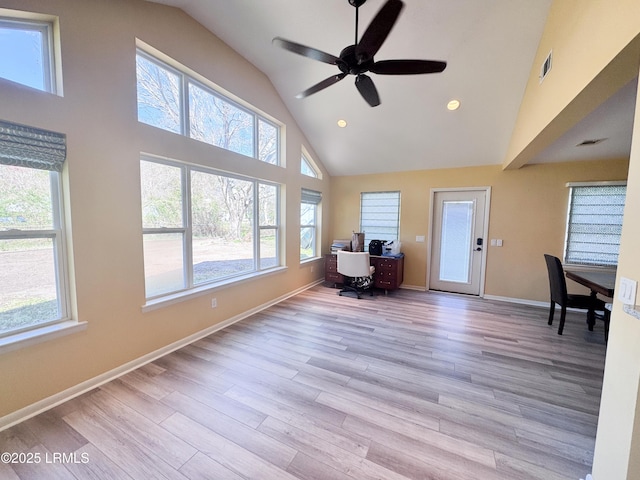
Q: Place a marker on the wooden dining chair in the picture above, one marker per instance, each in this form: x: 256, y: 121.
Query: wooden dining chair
x: 559, y: 295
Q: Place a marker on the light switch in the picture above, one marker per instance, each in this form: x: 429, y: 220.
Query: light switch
x: 627, y: 291
x: 420, y: 238
x: 499, y: 242
x: 494, y: 242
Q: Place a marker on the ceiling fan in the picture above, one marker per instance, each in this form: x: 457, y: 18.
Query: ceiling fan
x: 358, y: 59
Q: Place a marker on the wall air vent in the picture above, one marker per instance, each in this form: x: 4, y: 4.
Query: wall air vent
x: 588, y: 143
x: 546, y: 66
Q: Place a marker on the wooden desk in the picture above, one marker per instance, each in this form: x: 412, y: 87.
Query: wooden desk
x: 389, y: 273
x: 598, y: 282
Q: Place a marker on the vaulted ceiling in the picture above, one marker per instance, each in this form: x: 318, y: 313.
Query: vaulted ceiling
x: 488, y: 45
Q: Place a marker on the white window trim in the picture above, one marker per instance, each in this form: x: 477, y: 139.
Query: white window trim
x: 44, y: 329
x: 46, y: 28
x: 581, y: 266
x: 305, y: 157
x: 192, y: 290
x: 188, y: 78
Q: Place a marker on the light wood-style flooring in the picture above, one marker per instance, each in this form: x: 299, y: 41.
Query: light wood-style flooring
x: 410, y: 385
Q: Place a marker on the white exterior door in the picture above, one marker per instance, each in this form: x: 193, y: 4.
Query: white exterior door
x: 458, y: 241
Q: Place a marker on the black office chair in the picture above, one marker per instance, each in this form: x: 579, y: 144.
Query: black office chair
x: 559, y: 295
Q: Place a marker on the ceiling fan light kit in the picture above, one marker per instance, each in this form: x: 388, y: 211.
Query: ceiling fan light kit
x: 358, y: 59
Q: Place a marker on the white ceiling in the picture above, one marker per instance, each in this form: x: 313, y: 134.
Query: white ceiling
x: 489, y: 46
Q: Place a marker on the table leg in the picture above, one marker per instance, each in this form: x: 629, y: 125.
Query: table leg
x: 591, y: 314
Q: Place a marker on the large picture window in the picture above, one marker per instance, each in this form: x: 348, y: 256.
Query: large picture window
x: 202, y: 227
x: 594, y: 223
x: 33, y: 278
x: 380, y: 216
x: 173, y: 101
x: 27, y: 54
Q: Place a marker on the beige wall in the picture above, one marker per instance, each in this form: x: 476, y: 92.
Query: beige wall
x: 528, y: 211
x: 98, y: 113
x: 596, y: 47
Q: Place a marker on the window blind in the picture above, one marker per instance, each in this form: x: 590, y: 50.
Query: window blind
x: 595, y: 224
x: 311, y: 196
x: 380, y: 216
x: 31, y: 147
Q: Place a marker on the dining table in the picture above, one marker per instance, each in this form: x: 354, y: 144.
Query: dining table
x: 598, y: 282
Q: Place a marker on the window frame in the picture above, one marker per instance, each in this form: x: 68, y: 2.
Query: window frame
x: 186, y: 81
x: 363, y: 228
x: 305, y: 159
x: 315, y: 226
x: 58, y: 236
x: 45, y: 28
x: 190, y: 286
x: 567, y: 241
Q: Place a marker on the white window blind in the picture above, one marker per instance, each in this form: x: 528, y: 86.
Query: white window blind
x: 380, y: 216
x: 594, y: 224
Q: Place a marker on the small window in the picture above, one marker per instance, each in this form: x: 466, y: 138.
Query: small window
x: 199, y: 226
x: 308, y: 167
x: 380, y: 216
x: 594, y: 224
x: 159, y: 94
x: 33, y: 277
x: 309, y: 224
x: 27, y: 54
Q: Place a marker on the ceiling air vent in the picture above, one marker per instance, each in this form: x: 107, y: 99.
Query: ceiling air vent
x: 588, y: 143
x: 546, y: 66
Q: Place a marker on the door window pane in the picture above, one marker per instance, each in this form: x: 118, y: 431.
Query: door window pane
x: 455, y: 256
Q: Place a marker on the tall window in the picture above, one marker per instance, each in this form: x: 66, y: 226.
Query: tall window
x: 173, y: 101
x: 27, y: 54
x: 201, y: 226
x: 380, y: 216
x: 32, y: 245
x: 594, y: 223
x: 309, y: 223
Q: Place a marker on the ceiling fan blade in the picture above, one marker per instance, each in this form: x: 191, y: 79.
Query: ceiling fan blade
x: 305, y: 51
x: 367, y: 89
x: 327, y: 82
x: 378, y: 29
x: 407, y: 67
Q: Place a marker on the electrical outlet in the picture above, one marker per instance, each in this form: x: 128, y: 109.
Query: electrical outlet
x: 214, y: 302
x: 627, y: 291
x: 420, y: 238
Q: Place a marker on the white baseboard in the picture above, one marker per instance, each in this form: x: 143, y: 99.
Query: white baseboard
x: 413, y: 287
x: 83, y: 387
x: 521, y: 301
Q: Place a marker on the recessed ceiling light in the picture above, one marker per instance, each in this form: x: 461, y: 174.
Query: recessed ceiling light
x: 453, y: 105
x: 342, y: 123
